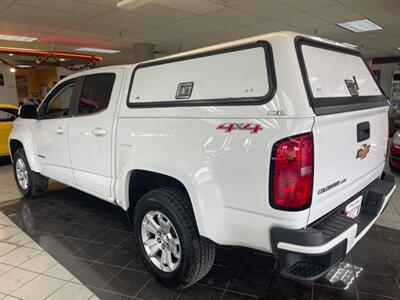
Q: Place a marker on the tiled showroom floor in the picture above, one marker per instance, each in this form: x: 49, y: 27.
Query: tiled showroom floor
x: 82, y: 248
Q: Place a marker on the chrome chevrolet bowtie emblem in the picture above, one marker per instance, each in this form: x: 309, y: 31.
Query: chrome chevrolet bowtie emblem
x: 363, y: 151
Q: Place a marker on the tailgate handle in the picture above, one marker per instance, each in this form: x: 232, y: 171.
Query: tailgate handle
x: 363, y: 131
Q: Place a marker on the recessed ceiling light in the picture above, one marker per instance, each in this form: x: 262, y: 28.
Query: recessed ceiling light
x: 10, y: 54
x: 362, y: 25
x: 17, y: 38
x: 99, y: 50
x: 62, y: 59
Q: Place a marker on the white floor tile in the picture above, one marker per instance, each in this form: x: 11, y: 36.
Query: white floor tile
x: 6, y: 221
x: 19, y: 256
x: 7, y: 232
x: 39, y: 263
x: 6, y: 247
x: 14, y: 278
x: 20, y: 239
x: 60, y: 272
x: 38, y: 288
x: 71, y: 291
x: 4, y: 268
x: 9, y: 298
x: 33, y: 245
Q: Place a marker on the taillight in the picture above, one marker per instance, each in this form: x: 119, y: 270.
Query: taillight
x: 292, y: 173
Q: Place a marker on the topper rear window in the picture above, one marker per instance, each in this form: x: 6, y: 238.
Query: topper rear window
x: 237, y: 75
x: 337, y: 79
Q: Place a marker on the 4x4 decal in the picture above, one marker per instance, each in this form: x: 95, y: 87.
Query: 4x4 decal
x: 229, y: 127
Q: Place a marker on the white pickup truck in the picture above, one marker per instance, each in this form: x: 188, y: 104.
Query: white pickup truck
x: 275, y: 142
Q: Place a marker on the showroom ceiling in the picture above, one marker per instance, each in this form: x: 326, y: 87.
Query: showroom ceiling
x: 171, y: 25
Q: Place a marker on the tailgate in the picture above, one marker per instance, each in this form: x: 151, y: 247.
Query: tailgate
x: 342, y: 165
x: 351, y: 123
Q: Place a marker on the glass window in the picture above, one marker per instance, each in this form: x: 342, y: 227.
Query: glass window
x: 8, y: 115
x: 59, y: 105
x: 96, y: 93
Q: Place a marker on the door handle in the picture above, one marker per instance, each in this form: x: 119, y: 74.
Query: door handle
x: 98, y: 131
x: 60, y: 131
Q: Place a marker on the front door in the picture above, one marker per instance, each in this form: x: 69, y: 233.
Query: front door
x: 51, y: 133
x: 91, y: 132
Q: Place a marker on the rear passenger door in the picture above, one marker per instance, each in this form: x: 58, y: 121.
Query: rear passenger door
x: 91, y: 132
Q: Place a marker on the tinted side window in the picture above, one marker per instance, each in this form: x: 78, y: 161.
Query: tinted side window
x: 96, y: 93
x: 58, y: 106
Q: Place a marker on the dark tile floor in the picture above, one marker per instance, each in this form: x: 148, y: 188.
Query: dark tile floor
x: 93, y: 240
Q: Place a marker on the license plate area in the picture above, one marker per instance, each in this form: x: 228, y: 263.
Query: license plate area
x: 352, y: 210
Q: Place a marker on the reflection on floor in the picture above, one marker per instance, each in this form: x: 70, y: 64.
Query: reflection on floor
x: 8, y: 189
x: 93, y: 241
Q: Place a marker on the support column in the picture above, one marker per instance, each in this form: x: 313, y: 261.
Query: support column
x: 143, y: 51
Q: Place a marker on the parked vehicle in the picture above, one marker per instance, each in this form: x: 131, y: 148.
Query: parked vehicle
x: 275, y: 142
x: 394, y: 156
x: 8, y: 113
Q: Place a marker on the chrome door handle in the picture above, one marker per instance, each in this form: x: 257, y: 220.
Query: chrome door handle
x: 60, y: 131
x: 99, y: 131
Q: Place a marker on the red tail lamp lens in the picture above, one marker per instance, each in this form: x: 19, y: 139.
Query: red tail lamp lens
x: 292, y: 173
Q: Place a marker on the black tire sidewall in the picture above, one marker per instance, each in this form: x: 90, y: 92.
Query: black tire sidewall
x: 149, y: 203
x: 21, y: 154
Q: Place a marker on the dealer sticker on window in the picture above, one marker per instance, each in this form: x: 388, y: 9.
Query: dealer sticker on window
x: 353, y: 208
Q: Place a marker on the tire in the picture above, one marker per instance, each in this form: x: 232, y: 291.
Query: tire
x: 36, y: 184
x: 196, y: 254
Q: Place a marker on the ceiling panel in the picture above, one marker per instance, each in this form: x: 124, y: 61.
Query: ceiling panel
x: 267, y: 9
x: 66, y: 6
x: 304, y: 22
x: 234, y: 16
x: 306, y: 5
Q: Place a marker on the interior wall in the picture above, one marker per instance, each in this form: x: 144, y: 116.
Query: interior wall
x: 8, y: 92
x: 37, y: 78
x: 62, y: 72
x: 33, y: 86
x: 387, y: 71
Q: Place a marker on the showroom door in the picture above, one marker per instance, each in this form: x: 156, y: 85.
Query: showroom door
x: 91, y: 132
x: 51, y: 133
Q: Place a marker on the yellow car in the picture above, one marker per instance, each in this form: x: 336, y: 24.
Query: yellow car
x: 8, y: 113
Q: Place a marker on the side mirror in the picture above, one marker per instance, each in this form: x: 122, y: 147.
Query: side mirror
x: 28, y: 111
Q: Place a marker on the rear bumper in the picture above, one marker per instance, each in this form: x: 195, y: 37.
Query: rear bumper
x: 308, y: 254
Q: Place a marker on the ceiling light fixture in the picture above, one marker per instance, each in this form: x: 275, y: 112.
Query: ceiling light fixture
x: 12, y: 70
x: 98, y: 50
x: 362, y: 25
x: 349, y: 45
x: 16, y: 38
x: 132, y: 4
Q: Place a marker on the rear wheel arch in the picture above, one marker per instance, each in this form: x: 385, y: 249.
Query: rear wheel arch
x: 143, y: 181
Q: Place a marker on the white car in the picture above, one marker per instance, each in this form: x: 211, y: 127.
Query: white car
x: 275, y: 142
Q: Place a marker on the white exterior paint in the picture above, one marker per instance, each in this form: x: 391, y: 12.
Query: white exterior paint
x: 225, y: 174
